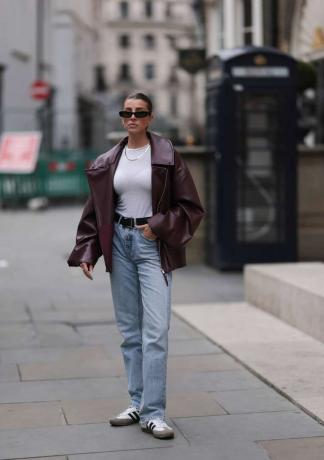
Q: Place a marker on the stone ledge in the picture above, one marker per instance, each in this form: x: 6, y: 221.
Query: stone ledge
x: 294, y: 292
x: 282, y: 356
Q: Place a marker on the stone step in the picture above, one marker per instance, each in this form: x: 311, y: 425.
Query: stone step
x: 293, y: 292
x: 284, y: 357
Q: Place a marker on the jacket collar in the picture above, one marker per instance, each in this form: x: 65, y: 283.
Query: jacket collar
x: 162, y: 152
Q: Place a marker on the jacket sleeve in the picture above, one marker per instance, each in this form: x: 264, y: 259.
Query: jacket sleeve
x: 87, y: 247
x: 177, y: 225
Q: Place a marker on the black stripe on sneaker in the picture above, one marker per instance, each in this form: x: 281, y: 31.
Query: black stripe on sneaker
x: 136, y: 415
x: 151, y: 426
x: 132, y: 416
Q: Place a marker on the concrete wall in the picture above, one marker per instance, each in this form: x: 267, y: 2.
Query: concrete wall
x: 311, y: 203
x: 195, y: 158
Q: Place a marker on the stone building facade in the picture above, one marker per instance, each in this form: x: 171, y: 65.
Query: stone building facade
x: 57, y: 41
x: 140, y: 43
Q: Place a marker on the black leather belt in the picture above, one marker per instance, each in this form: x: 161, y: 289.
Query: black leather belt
x: 130, y: 221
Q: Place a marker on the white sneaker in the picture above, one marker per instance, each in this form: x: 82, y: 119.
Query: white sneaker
x: 158, y: 428
x: 127, y: 417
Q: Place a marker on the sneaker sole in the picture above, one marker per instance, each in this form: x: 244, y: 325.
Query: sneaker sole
x: 116, y: 422
x: 158, y: 435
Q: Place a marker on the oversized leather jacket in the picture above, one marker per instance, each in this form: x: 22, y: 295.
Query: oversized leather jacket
x: 177, y: 210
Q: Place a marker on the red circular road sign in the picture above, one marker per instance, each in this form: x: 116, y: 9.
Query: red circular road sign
x: 40, y: 90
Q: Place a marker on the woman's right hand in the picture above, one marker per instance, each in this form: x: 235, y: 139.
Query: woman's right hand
x: 87, y: 269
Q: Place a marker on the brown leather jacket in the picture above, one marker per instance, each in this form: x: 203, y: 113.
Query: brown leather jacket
x: 177, y: 210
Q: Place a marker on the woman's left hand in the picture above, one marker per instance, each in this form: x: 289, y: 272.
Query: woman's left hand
x: 147, y: 231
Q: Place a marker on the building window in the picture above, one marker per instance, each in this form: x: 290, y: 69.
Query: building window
x: 124, y: 72
x: 168, y: 10
x: 124, y: 10
x: 148, y: 8
x: 149, y: 41
x: 173, y: 105
x: 247, y: 22
x: 124, y: 41
x: 149, y: 71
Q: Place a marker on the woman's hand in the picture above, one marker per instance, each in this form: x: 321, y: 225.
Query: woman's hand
x: 147, y: 231
x: 87, y: 269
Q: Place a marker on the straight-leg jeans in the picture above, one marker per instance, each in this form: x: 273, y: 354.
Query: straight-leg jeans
x: 142, y: 304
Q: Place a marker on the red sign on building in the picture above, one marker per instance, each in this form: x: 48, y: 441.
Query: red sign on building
x: 40, y: 90
x: 19, y: 151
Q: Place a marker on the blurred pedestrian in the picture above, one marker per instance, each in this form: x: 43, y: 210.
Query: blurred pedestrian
x: 142, y: 210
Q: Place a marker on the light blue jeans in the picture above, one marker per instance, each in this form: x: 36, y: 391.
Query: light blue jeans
x: 142, y: 303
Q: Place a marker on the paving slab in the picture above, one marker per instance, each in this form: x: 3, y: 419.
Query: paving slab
x: 84, y: 302
x: 180, y: 330
x: 256, y: 400
x: 200, y: 283
x: 202, y: 363
x: 199, y: 346
x: 14, y: 314
x: 9, y: 301
x: 93, y: 410
x: 213, y: 381
x: 72, y: 315
x: 9, y: 373
x: 69, y: 439
x: 72, y: 369
x: 57, y: 334
x: 53, y: 390
x: 31, y: 415
x: 178, y: 405
x: 45, y: 458
x: 289, y: 359
x: 32, y: 355
x: 16, y: 335
x: 35, y: 300
x: 224, y: 451
x: 295, y: 449
x: 250, y: 427
x: 99, y: 334
x: 76, y: 316
x: 192, y: 404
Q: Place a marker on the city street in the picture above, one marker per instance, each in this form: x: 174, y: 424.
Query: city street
x: 62, y: 378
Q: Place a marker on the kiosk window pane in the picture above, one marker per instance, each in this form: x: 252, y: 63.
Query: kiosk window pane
x: 259, y: 198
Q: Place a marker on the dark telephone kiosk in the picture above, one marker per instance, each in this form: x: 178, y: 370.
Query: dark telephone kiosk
x: 251, y: 173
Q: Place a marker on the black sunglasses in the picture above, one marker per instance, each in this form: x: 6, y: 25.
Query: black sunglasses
x: 139, y: 114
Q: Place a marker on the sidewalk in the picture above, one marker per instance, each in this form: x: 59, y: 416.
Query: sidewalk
x: 61, y: 374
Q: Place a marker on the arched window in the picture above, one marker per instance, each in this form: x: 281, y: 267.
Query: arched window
x: 148, y: 8
x: 149, y: 41
x: 124, y: 72
x: 168, y: 10
x: 124, y: 9
x: 149, y: 71
x: 124, y: 41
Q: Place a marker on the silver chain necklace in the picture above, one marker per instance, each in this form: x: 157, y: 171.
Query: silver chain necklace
x: 137, y: 158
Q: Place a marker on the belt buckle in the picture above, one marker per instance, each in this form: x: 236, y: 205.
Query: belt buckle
x: 131, y: 225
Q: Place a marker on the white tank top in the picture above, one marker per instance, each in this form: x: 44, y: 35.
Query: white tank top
x: 132, y: 182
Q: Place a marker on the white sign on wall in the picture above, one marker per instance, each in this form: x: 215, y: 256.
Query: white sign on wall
x: 19, y: 151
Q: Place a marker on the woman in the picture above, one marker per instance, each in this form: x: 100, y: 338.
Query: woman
x: 142, y: 210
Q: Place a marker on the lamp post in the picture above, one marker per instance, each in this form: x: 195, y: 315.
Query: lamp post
x: 2, y: 68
